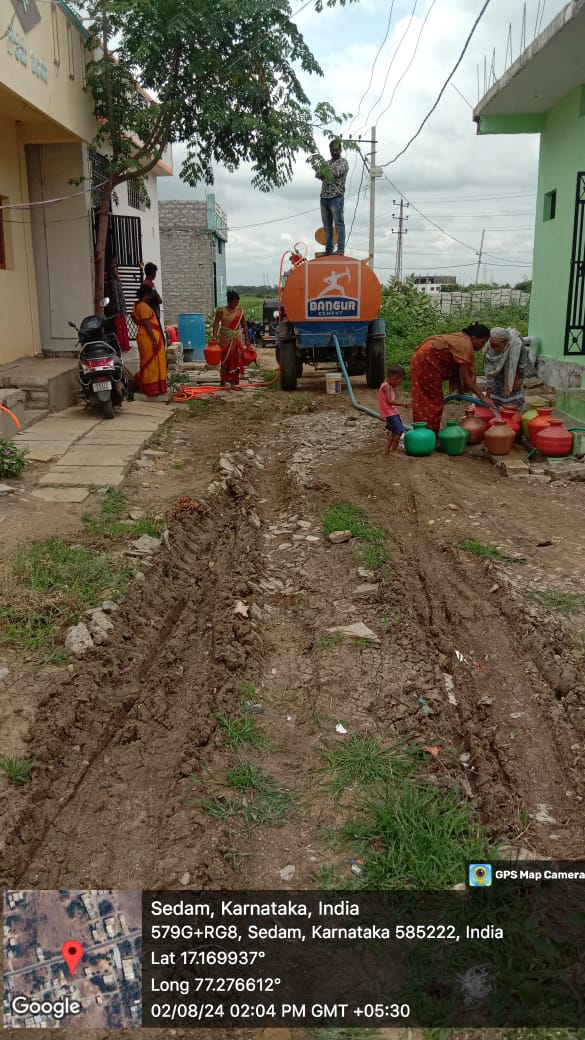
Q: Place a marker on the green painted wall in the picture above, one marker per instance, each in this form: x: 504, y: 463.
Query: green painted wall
x: 562, y: 155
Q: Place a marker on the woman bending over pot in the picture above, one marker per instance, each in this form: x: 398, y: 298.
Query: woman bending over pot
x: 450, y: 356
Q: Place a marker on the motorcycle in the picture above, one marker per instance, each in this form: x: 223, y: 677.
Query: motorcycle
x: 101, y: 372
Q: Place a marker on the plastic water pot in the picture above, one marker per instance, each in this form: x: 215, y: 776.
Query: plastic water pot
x: 420, y: 440
x: 453, y: 438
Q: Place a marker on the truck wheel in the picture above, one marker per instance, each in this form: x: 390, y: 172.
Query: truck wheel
x: 288, y: 364
x: 375, y: 361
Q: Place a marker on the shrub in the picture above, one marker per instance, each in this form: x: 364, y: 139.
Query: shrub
x: 12, y: 459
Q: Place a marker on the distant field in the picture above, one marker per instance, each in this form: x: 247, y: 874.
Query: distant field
x: 252, y: 307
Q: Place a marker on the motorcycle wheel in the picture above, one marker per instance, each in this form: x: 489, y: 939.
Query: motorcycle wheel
x: 108, y: 409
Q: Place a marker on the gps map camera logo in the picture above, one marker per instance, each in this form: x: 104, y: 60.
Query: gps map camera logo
x: 480, y: 875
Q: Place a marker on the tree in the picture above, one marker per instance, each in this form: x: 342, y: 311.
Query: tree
x: 525, y: 286
x: 224, y: 78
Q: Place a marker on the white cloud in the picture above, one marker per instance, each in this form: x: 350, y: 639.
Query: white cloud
x: 448, y: 172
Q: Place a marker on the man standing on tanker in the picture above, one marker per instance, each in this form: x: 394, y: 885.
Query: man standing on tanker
x: 332, y: 199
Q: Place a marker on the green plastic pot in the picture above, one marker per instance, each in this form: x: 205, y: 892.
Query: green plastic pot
x: 420, y: 440
x: 453, y: 438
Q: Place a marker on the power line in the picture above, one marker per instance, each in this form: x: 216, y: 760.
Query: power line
x: 438, y: 226
x: 378, y: 52
x: 408, y: 67
x: 443, y: 88
x: 396, y: 49
x: 364, y: 168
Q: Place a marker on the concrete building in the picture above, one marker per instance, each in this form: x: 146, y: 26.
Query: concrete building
x: 193, y: 240
x: 543, y: 92
x: 431, y: 283
x: 46, y: 126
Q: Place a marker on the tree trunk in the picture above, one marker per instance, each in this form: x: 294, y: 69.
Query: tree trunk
x: 100, y: 246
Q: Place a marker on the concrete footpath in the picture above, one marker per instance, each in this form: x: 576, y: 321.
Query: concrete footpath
x: 84, y: 451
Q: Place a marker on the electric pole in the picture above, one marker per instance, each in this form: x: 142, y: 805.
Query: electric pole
x: 401, y: 232
x: 373, y: 173
x: 480, y: 254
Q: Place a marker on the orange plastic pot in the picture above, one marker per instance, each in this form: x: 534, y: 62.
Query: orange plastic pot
x: 212, y: 353
x: 248, y: 355
x: 540, y: 423
x: 173, y: 333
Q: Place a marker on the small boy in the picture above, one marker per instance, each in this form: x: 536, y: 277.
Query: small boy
x: 387, y: 405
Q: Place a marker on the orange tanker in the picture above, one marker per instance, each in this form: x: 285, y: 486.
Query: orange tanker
x: 331, y: 295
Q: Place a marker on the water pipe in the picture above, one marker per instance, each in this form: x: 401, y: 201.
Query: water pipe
x: 11, y: 414
x: 360, y: 407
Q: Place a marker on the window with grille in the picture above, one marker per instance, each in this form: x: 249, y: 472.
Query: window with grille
x: 97, y: 167
x: 133, y: 193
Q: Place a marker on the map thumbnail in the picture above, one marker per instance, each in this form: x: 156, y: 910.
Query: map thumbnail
x: 72, y: 959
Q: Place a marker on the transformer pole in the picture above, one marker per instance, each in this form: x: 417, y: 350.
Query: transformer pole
x: 480, y: 254
x: 401, y: 232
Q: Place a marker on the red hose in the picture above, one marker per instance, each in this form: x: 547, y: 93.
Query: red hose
x: 11, y: 414
x: 191, y: 393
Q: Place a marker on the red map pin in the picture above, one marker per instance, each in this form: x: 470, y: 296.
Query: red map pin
x: 72, y: 952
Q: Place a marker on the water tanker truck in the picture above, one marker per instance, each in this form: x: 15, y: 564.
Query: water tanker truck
x: 331, y: 295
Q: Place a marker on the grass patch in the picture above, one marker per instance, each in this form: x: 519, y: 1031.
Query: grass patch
x: 373, y: 557
x: 260, y: 801
x: 416, y: 837
x: 16, y: 769
x: 242, y: 731
x: 344, y: 516
x: 347, y: 517
x: 45, y: 587
x: 566, y: 603
x: 361, y: 760
x: 295, y: 403
x: 199, y: 408
x: 490, y: 552
x: 328, y: 641
x: 267, y: 376
x: 107, y: 526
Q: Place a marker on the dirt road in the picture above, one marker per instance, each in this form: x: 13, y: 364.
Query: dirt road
x: 131, y: 741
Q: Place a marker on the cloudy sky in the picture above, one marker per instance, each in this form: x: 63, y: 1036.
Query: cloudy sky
x: 385, y: 61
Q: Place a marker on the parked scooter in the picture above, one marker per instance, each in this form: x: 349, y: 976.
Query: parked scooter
x: 101, y: 372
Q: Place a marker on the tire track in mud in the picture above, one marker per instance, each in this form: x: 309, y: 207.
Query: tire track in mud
x: 525, y: 760
x: 118, y: 738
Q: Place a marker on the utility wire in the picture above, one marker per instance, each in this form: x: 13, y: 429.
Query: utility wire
x: 443, y: 88
x: 378, y: 52
x: 447, y: 233
x: 390, y: 64
x: 364, y: 168
x: 409, y: 66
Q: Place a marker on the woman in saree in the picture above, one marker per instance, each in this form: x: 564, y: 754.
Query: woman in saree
x: 229, y: 321
x: 506, y: 363
x: 449, y: 356
x: 151, y: 379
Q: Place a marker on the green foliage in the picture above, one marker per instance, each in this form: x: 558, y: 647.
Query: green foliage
x: 12, y: 459
x: 16, y: 769
x: 411, y: 316
x: 226, y: 76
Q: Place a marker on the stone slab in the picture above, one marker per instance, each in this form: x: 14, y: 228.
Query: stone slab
x: 88, y: 454
x: 137, y: 422
x: 83, y: 476
x: 110, y: 434
x: 61, y: 494
x: 44, y: 451
x: 58, y: 430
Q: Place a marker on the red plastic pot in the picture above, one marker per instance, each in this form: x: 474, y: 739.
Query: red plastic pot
x: 248, y: 355
x: 212, y: 353
x: 541, y: 421
x: 554, y: 440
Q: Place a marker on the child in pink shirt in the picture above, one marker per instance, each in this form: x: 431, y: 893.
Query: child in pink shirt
x: 387, y: 405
